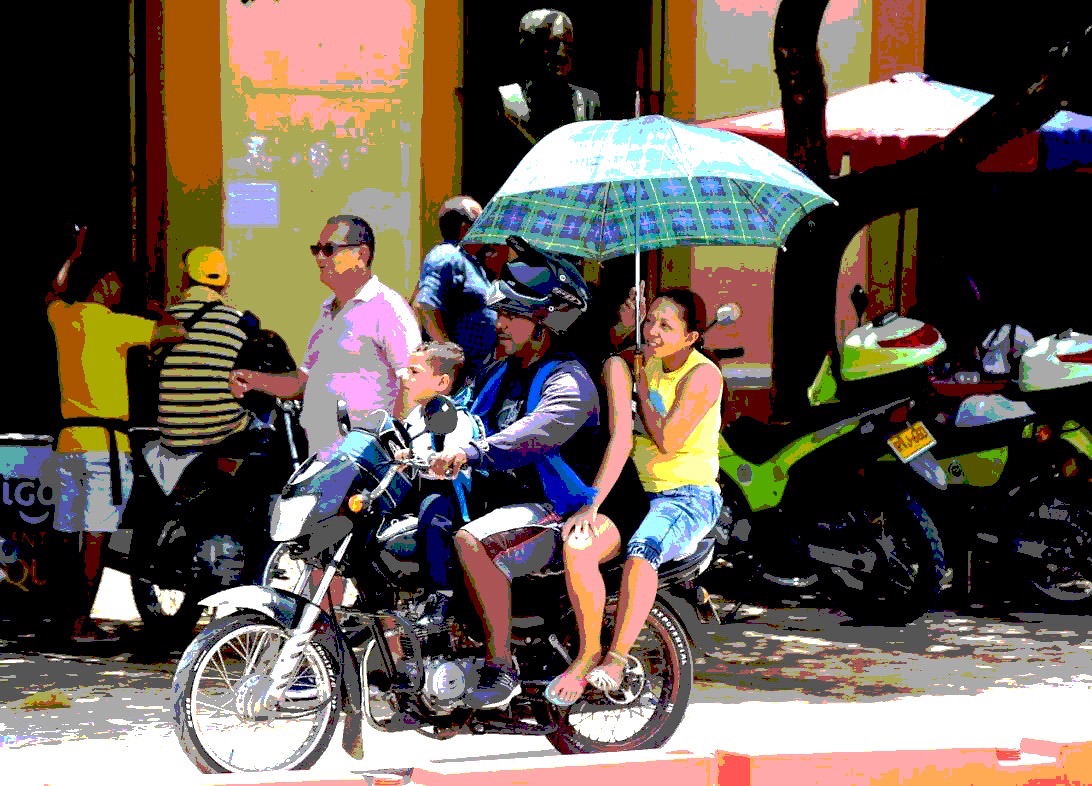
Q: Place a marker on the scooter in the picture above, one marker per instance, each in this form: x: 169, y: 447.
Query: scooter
x: 1017, y: 457
x: 263, y: 686
x: 808, y: 504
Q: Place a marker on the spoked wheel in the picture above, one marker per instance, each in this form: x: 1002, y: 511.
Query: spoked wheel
x: 650, y: 704
x: 217, y: 691
x: 899, y: 571
x: 1058, y: 553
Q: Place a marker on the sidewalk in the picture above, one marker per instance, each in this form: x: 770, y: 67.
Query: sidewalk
x: 795, y: 683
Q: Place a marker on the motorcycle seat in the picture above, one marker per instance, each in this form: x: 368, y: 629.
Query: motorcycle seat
x: 686, y: 568
x: 758, y: 442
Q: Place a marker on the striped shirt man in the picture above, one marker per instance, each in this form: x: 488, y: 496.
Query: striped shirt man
x: 196, y: 408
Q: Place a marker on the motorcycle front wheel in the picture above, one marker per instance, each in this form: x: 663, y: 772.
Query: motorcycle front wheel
x: 222, y: 672
x: 652, y: 701
x: 1056, y: 551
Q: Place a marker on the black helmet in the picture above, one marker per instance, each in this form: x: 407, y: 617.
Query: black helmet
x: 539, y: 285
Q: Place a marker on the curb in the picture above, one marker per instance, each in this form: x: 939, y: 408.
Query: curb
x: 1035, y: 763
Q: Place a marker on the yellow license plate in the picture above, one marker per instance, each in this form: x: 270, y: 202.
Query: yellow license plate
x: 911, y: 442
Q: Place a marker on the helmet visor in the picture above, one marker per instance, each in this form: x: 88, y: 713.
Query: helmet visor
x: 502, y: 297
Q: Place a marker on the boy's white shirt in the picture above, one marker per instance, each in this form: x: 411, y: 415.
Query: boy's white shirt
x: 422, y: 443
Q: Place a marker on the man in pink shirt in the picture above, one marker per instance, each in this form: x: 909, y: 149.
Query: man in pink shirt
x: 363, y: 335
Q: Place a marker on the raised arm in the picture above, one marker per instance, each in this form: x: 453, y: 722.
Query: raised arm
x: 60, y: 281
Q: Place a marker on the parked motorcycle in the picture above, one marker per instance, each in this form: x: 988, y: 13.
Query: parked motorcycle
x: 1017, y: 456
x: 199, y: 523
x: 274, y: 660
x: 844, y: 526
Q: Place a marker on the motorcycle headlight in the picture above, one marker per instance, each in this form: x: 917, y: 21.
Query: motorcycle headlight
x: 289, y: 515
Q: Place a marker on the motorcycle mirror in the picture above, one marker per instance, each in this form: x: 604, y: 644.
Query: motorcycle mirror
x: 344, y: 425
x: 729, y: 313
x: 859, y: 298
x: 441, y: 416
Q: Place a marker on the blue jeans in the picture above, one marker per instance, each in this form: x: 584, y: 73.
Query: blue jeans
x: 437, y: 520
x: 677, y: 521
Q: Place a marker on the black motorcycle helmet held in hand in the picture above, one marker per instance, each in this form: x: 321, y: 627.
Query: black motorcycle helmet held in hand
x: 541, y: 286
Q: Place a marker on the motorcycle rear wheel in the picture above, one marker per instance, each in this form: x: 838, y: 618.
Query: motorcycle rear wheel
x: 905, y: 579
x: 217, y: 642
x: 677, y: 675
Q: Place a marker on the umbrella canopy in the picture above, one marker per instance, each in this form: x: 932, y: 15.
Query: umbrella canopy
x: 887, y: 121
x: 599, y: 189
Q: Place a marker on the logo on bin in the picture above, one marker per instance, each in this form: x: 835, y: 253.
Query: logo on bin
x: 30, y: 497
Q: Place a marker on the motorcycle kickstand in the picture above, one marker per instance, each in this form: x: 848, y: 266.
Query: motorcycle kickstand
x: 738, y: 605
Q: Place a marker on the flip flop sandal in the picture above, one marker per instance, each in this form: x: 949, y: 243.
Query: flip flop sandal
x: 599, y: 678
x: 557, y: 701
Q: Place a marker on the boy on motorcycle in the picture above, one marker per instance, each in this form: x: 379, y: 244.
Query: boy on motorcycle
x: 436, y: 369
x: 540, y: 410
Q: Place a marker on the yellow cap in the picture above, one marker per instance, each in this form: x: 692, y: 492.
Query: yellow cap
x: 206, y: 265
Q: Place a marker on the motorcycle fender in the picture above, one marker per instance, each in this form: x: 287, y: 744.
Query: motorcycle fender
x: 927, y: 467
x: 285, y: 609
x: 699, y: 633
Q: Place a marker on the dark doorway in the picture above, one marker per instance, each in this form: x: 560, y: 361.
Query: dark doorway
x: 72, y: 133
x: 611, y: 48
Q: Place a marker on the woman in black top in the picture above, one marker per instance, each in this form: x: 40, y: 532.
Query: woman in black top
x: 595, y: 533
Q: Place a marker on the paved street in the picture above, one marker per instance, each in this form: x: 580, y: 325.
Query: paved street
x: 784, y: 680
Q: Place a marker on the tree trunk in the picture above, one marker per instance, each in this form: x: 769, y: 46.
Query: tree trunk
x: 803, y: 86
x: 806, y: 274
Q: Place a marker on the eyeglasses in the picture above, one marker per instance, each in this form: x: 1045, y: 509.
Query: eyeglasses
x: 329, y: 249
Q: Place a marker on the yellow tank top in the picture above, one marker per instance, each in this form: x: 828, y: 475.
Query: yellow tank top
x: 696, y: 462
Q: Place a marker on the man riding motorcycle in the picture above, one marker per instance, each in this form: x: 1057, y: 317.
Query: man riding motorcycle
x: 540, y: 410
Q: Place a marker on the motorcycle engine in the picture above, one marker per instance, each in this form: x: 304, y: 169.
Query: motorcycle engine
x: 445, y: 683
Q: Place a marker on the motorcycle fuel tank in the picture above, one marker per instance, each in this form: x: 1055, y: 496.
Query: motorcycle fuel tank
x: 1058, y: 361
x: 399, y: 540
x: 889, y: 344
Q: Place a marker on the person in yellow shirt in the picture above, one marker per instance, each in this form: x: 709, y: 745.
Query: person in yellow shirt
x: 92, y: 470
x: 675, y: 450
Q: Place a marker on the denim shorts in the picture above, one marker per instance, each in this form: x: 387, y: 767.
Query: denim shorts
x: 81, y: 482
x: 677, y: 521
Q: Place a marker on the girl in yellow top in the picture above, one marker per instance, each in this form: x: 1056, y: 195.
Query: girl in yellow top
x: 676, y: 453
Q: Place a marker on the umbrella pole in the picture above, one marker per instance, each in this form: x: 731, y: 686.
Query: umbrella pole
x: 637, y: 253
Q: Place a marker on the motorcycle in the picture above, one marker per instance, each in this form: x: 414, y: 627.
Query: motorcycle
x: 844, y: 526
x: 1017, y: 459
x: 273, y: 657
x: 198, y: 523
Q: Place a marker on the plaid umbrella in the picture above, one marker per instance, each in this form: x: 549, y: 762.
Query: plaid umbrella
x: 598, y: 189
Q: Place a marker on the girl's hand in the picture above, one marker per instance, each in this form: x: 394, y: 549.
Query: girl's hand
x: 641, y: 378
x: 581, y: 522
x: 627, y: 314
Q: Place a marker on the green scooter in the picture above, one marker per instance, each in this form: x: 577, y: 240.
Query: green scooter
x: 809, y: 504
x: 1017, y: 458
